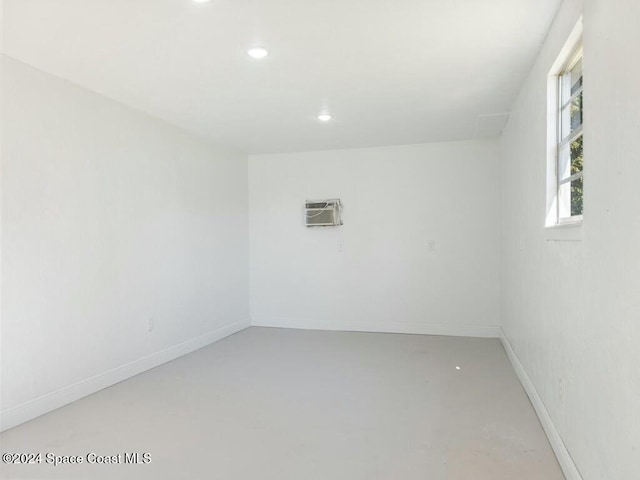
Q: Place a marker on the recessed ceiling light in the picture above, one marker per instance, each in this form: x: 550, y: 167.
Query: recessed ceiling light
x: 258, y: 52
x: 201, y: 1
x: 324, y: 117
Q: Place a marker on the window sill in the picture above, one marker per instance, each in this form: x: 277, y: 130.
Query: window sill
x: 568, y: 232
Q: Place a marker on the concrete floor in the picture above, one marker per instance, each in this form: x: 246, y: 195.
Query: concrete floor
x: 275, y: 404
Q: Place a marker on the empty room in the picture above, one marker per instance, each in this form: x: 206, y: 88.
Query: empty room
x: 339, y: 240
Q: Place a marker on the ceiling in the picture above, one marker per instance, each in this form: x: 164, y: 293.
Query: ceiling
x: 389, y: 71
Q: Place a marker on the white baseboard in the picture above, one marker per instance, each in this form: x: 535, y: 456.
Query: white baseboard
x: 34, y: 408
x: 382, y: 327
x: 562, y: 454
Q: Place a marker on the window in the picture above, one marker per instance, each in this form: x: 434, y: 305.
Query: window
x: 565, y: 140
x: 569, y: 151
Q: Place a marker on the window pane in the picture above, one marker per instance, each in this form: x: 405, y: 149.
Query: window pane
x: 576, y: 155
x: 576, y: 85
x: 571, y: 116
x: 576, y: 196
x: 576, y: 112
x: 571, y: 108
x: 576, y: 77
x: 570, y: 197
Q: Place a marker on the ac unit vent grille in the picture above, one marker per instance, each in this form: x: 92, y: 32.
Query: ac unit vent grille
x: 323, y: 213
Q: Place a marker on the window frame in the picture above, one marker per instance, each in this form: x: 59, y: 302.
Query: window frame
x: 568, y: 227
x: 561, y: 143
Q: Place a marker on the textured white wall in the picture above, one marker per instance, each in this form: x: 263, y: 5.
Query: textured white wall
x: 376, y: 271
x: 109, y: 217
x: 570, y: 309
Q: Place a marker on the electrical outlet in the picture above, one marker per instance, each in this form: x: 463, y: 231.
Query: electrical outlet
x: 150, y: 324
x: 340, y: 246
x: 431, y: 245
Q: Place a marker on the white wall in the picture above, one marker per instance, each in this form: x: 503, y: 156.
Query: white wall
x: 375, y: 272
x: 571, y: 310
x: 109, y: 218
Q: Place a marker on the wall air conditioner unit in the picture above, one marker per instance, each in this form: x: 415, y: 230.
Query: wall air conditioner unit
x: 323, y: 213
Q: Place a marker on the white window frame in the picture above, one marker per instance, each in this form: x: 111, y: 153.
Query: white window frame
x: 560, y: 227
x: 564, y: 98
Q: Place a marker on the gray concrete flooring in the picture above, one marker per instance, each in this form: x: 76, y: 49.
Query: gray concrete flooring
x: 277, y: 404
